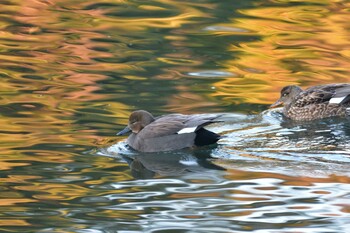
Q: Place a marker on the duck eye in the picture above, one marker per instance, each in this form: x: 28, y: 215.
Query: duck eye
x: 285, y: 94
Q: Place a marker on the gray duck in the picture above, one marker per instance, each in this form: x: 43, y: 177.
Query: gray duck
x: 316, y: 102
x: 169, y: 132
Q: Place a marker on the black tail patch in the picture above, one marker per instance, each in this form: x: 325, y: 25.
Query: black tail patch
x: 346, y: 100
x: 205, y: 137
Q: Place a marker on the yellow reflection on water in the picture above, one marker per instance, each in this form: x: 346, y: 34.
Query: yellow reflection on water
x: 298, y: 45
x: 14, y: 222
x: 12, y: 201
x: 4, y: 165
x: 87, y: 43
x: 72, y: 71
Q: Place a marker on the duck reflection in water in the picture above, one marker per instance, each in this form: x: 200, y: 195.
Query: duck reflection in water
x: 149, y: 165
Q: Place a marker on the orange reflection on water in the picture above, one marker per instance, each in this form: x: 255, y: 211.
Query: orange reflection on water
x: 14, y: 201
x: 4, y: 165
x: 55, y: 191
x: 14, y: 222
x: 297, y: 45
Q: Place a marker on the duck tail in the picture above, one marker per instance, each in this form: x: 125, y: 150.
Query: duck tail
x: 345, y: 100
x: 205, y: 137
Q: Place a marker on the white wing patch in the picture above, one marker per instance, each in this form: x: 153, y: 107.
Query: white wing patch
x: 187, y: 130
x: 337, y: 100
x: 189, y: 162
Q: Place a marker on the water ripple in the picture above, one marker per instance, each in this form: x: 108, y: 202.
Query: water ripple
x: 72, y: 71
x: 244, y: 204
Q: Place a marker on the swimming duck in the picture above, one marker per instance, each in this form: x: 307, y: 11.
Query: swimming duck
x: 169, y: 132
x: 315, y: 102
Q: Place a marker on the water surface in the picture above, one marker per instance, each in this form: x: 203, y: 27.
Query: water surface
x: 72, y: 71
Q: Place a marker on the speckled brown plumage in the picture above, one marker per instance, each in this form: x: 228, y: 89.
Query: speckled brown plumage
x: 315, y: 102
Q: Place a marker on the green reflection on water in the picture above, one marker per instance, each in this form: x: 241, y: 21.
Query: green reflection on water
x: 72, y: 71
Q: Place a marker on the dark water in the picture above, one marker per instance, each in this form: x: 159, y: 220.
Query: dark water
x: 72, y: 71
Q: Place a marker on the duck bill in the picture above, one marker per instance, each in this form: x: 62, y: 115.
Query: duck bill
x: 124, y: 131
x: 276, y: 104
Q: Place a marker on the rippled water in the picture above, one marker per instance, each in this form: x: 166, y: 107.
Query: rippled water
x: 72, y: 71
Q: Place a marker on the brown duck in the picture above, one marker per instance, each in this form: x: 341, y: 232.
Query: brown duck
x: 315, y: 102
x: 169, y: 132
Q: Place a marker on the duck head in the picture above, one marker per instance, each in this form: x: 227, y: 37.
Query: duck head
x: 288, y: 94
x: 137, y: 121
